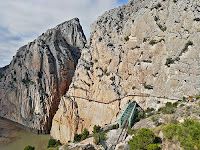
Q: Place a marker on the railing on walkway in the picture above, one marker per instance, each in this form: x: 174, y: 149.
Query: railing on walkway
x: 119, y: 99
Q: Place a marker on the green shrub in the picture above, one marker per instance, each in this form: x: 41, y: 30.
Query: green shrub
x: 169, y: 61
x: 85, y: 134
x: 153, y: 42
x: 184, y: 99
x: 156, y: 18
x: 154, y: 119
x: 29, y: 147
x: 158, y: 6
x: 131, y: 131
x: 112, y: 78
x: 196, y: 19
x: 162, y: 27
x: 120, y: 147
x: 144, y: 40
x: 149, y: 87
x: 149, y: 112
x: 110, y: 44
x: 79, y: 137
x: 175, y: 104
x: 142, y: 140
x: 169, y: 108
x: 126, y: 38
x: 53, y: 143
x: 187, y: 133
x: 147, y: 61
x: 171, y: 131
x: 177, y: 58
x: 161, y: 40
x: 115, y: 126
x: 100, y: 39
x: 154, y: 147
x: 197, y: 97
x: 139, y: 115
x: 189, y: 43
x: 103, y: 135
x: 96, y: 129
x: 96, y: 138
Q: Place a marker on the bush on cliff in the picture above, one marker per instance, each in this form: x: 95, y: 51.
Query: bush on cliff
x: 169, y: 108
x: 29, y: 147
x: 187, y: 133
x: 144, y: 139
x: 85, y: 134
x: 53, y: 143
x: 96, y: 129
x: 82, y: 136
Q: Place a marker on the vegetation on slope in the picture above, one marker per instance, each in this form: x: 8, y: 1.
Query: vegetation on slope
x: 82, y: 136
x: 145, y: 139
x: 187, y: 133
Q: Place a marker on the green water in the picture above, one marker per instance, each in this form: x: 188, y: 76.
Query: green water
x: 40, y: 142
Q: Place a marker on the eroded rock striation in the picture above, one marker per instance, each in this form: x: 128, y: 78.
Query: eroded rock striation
x: 39, y: 74
x: 145, y: 48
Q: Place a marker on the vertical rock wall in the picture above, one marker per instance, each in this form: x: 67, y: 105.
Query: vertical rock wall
x: 145, y: 47
x: 39, y: 74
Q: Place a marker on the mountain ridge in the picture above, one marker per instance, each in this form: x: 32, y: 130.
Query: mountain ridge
x: 39, y: 74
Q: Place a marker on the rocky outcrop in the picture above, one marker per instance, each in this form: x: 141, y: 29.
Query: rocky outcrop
x: 145, y: 48
x: 39, y: 74
x: 2, y: 70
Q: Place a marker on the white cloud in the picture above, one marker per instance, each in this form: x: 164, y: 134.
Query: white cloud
x: 23, y: 20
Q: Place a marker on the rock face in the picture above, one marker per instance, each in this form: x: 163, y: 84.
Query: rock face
x: 147, y: 48
x: 3, y: 69
x: 39, y: 74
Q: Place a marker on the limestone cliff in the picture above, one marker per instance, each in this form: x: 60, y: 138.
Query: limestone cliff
x: 39, y: 74
x: 145, y: 48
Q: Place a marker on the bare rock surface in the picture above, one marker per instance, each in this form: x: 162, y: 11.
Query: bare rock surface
x: 145, y: 47
x: 39, y: 74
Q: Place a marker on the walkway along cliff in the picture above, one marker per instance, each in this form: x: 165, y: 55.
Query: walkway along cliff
x: 150, y: 47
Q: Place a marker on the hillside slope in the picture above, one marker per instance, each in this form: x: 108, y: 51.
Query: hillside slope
x: 39, y: 74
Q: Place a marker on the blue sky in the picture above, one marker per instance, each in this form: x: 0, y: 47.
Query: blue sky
x: 121, y: 2
x: 22, y: 21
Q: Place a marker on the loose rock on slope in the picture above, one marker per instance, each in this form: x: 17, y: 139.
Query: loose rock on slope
x: 39, y: 74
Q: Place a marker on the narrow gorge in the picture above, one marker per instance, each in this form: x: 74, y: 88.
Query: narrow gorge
x: 147, y: 51
x: 39, y: 74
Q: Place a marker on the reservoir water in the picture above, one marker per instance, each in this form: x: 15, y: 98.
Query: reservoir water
x: 14, y: 137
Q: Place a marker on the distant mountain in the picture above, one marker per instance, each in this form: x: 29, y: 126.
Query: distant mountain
x: 39, y: 74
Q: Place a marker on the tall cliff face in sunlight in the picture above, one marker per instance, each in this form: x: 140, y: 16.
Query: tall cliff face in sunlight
x: 143, y: 48
x: 39, y: 74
